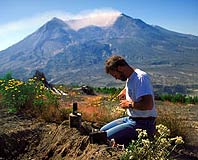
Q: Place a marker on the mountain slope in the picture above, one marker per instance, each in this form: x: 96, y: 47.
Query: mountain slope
x: 68, y: 55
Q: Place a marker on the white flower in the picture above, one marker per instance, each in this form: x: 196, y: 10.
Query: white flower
x: 178, y: 140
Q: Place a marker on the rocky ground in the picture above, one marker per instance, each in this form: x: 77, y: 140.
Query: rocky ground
x: 23, y: 137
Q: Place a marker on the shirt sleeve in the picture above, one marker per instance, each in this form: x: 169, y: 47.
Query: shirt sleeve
x: 143, y: 86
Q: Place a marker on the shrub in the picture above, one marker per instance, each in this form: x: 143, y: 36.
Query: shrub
x: 179, y: 98
x: 17, y: 94
x: 108, y: 90
x: 159, y: 148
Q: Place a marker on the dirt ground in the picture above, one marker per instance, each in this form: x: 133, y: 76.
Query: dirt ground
x: 23, y: 138
x: 26, y: 138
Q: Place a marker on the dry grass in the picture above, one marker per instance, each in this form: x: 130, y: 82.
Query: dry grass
x: 169, y: 114
x: 94, y: 109
x: 170, y: 120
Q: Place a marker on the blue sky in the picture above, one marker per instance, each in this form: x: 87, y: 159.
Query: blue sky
x: 20, y: 18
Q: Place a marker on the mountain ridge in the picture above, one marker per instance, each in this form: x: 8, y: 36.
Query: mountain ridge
x: 72, y: 56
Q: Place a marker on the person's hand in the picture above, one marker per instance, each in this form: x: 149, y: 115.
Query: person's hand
x: 122, y: 95
x: 125, y: 104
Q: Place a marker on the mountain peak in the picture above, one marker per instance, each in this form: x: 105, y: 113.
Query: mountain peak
x: 55, y: 21
x: 104, y: 19
x: 124, y: 15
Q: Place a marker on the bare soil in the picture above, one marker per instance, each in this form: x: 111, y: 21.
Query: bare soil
x: 24, y: 137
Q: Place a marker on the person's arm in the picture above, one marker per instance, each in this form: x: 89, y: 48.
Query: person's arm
x: 122, y: 94
x: 145, y: 103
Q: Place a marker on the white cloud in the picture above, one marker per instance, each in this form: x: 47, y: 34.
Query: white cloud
x: 97, y: 17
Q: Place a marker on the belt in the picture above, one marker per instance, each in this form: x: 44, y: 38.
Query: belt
x: 142, y: 118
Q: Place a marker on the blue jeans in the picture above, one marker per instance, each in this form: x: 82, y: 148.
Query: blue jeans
x: 123, y: 130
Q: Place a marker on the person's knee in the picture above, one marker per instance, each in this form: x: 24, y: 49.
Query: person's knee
x: 102, y: 129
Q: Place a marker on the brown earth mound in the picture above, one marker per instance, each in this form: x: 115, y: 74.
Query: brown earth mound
x: 23, y: 138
